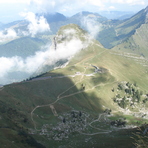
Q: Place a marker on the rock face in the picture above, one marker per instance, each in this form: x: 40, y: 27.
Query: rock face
x: 55, y: 43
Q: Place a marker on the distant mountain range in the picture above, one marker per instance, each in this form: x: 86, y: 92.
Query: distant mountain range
x: 120, y: 15
x: 56, y: 17
x: 109, y: 35
x: 111, y: 30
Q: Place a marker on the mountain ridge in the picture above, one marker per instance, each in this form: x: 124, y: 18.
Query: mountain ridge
x: 137, y: 41
x: 23, y: 47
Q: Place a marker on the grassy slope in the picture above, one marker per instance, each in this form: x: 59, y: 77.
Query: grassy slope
x: 128, y: 27
x: 119, y: 32
x: 18, y: 100
x: 136, y: 30
x: 131, y: 24
x: 137, y: 43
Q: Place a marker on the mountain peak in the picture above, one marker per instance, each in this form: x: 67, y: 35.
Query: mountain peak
x: 146, y: 13
x: 54, y: 17
x: 69, y: 32
x: 87, y: 13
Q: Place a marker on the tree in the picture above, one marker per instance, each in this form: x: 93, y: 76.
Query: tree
x: 133, y: 90
x: 25, y: 120
x: 118, y: 96
x: 114, y: 99
x: 137, y: 95
x: 73, y: 114
x: 135, y: 84
x: 126, y: 91
x: 113, y: 90
x: 122, y: 104
x: 80, y: 113
x: 130, y: 91
x: 64, y: 120
x: 120, y: 87
x: 124, y: 98
x: 83, y: 87
x: 141, y: 93
x: 127, y: 84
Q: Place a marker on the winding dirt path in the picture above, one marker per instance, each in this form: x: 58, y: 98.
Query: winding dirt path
x: 59, y: 97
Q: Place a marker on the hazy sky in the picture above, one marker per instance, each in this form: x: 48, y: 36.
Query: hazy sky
x: 10, y: 9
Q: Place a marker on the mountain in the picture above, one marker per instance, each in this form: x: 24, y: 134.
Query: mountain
x: 94, y: 23
x: 108, y: 32
x: 137, y: 28
x: 119, y: 32
x: 126, y: 16
x: 3, y: 26
x: 23, y: 47
x: 128, y: 27
x: 56, y: 17
x: 78, y: 19
x: 121, y: 15
x: 79, y: 16
x: 85, y: 103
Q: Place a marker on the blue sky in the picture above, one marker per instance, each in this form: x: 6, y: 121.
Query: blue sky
x: 10, y: 10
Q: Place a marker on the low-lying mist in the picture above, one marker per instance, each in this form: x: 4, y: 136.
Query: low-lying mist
x: 91, y: 25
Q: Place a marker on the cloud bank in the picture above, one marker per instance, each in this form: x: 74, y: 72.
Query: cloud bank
x: 24, y: 66
x: 49, y: 56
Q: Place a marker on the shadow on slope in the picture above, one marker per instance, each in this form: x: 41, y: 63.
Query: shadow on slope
x: 29, y: 105
x: 19, y: 99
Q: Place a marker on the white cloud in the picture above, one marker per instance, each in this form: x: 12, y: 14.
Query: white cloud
x: 67, y: 50
x: 37, y: 24
x: 28, y: 65
x: 68, y: 5
x: 69, y: 47
x: 7, y: 34
x: 7, y: 65
x: 92, y: 25
x: 99, y: 3
x: 17, y: 64
x: 57, y: 5
x: 112, y: 8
